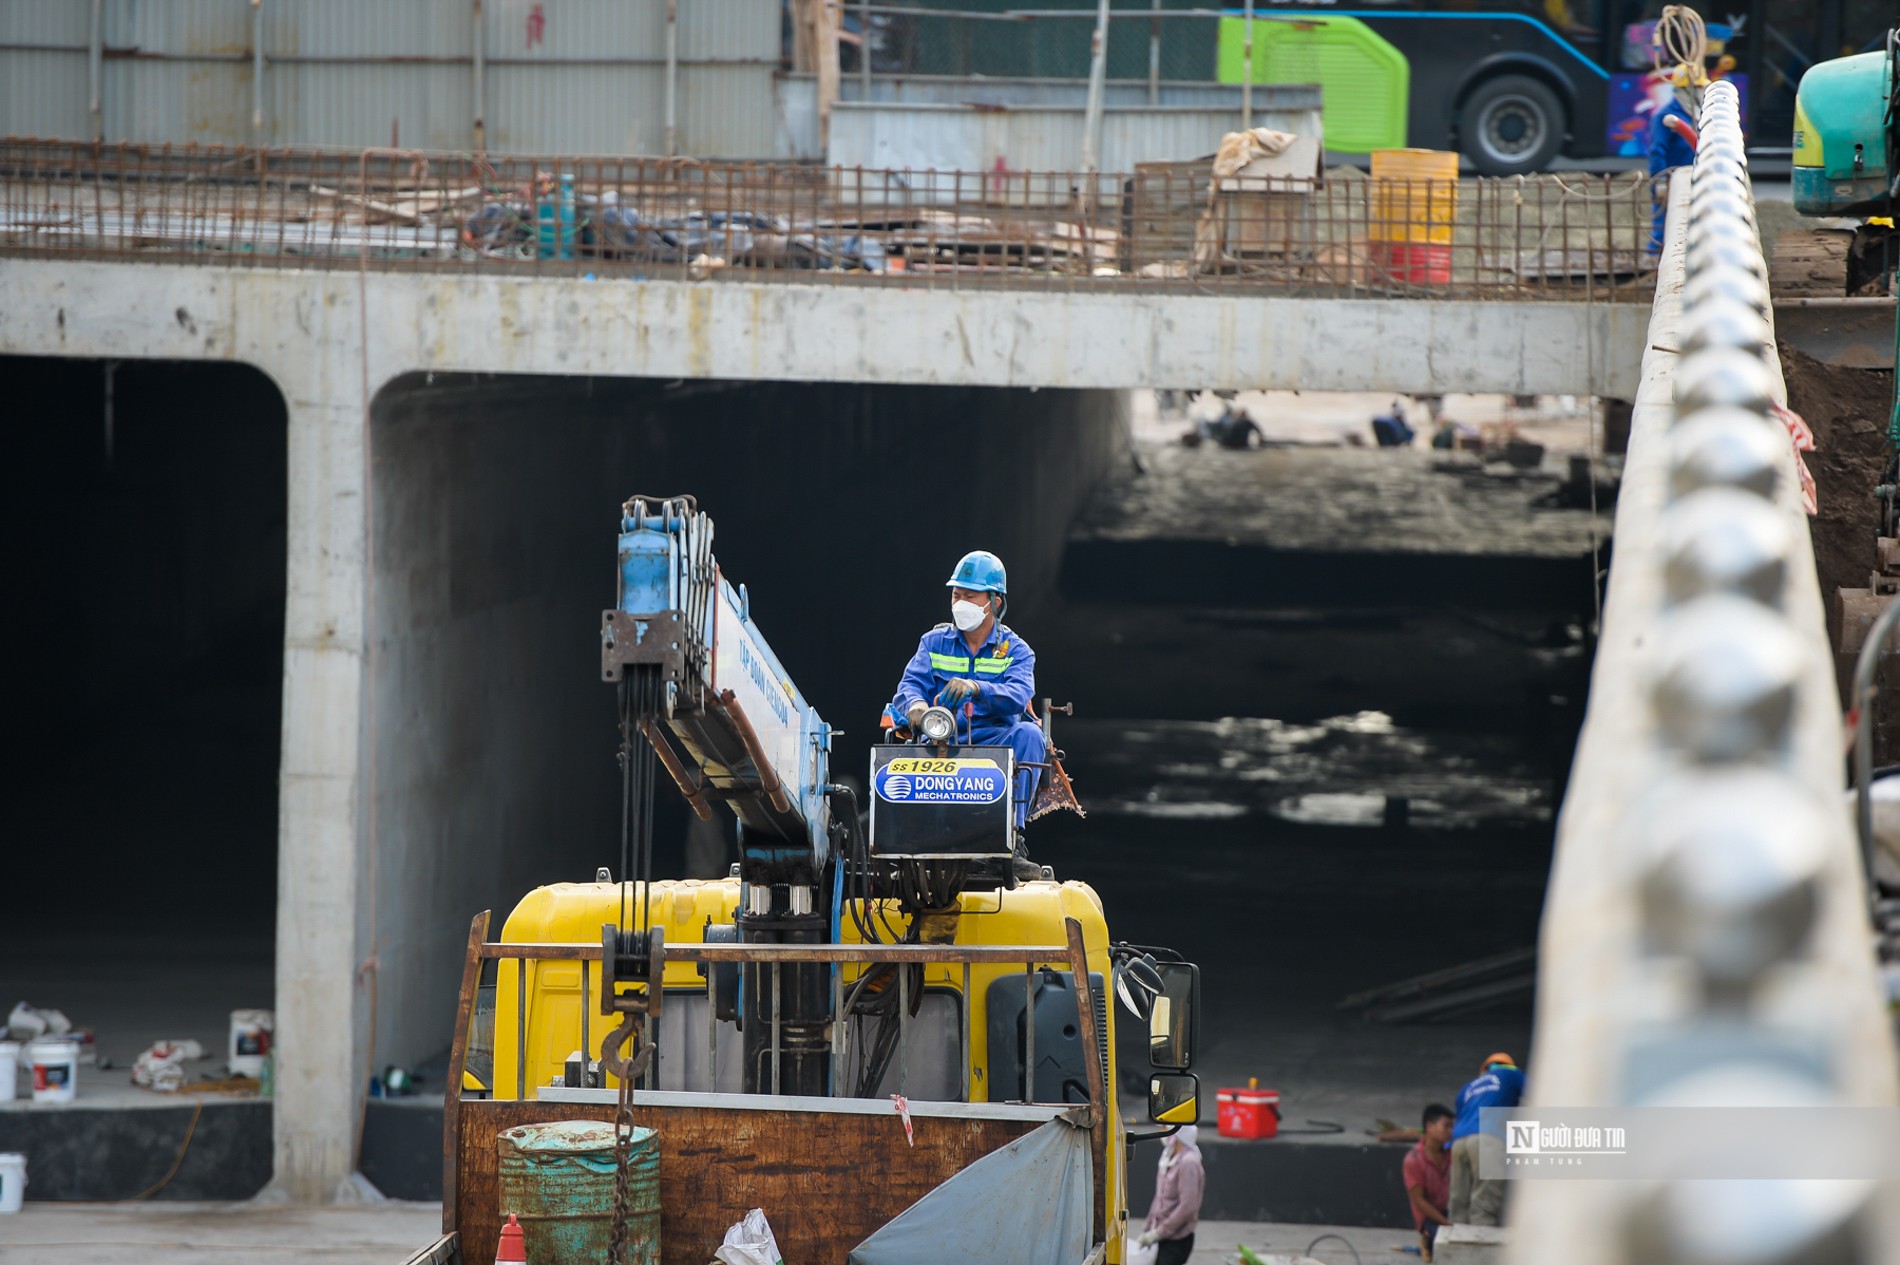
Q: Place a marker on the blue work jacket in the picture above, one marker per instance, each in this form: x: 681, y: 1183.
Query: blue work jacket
x: 1004, y: 665
x: 1497, y: 1086
x: 1666, y: 152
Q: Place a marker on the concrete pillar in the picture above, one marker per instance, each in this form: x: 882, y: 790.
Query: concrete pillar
x: 318, y: 1060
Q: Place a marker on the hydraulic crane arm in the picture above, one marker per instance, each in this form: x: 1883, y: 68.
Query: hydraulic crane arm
x: 733, y: 727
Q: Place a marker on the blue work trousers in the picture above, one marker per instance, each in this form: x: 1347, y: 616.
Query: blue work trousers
x: 1024, y: 737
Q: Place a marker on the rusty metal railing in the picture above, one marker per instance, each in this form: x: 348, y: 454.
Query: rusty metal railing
x: 1165, y: 226
x: 1073, y: 955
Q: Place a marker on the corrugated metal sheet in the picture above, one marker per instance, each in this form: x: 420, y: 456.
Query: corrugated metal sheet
x: 44, y: 93
x: 44, y: 23
x: 729, y: 30
x: 796, y: 139
x: 549, y: 90
x: 575, y: 109
x: 727, y: 112
x: 352, y: 105
x: 323, y: 89
x: 554, y: 30
x: 191, y: 77
x: 941, y: 90
x: 952, y: 138
x: 573, y: 76
x: 563, y: 76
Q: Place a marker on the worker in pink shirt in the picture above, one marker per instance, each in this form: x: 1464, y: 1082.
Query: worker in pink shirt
x: 1427, y: 1173
x: 1176, y: 1210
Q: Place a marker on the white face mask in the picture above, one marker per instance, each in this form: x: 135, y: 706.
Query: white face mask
x: 968, y: 616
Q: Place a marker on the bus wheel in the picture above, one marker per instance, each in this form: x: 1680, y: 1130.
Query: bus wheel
x: 1511, y: 124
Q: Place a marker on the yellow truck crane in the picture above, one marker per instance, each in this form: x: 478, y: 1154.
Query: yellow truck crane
x: 871, y: 1033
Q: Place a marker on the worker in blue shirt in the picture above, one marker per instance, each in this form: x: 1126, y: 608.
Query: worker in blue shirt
x: 1672, y: 143
x: 976, y: 662
x: 1478, y: 1200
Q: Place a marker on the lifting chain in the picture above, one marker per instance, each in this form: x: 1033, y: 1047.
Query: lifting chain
x: 627, y: 1036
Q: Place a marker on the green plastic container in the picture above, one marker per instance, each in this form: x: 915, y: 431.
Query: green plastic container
x: 558, y: 1180
x: 1365, y: 82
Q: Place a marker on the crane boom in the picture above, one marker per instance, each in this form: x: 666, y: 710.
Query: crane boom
x: 734, y: 727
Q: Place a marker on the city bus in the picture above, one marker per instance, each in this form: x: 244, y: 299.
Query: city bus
x: 1512, y: 84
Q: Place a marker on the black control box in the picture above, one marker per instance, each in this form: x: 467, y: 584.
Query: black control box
x: 954, y: 806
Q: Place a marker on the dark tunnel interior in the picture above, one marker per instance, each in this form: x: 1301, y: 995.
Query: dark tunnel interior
x: 149, y: 617
x: 153, y: 616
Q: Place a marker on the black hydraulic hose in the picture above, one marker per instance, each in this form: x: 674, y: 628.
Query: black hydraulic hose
x: 1342, y: 1238
x: 856, y: 862
x: 626, y: 804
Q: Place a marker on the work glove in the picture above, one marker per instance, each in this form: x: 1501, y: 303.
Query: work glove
x: 1147, y: 1239
x: 957, y: 691
x: 916, y: 713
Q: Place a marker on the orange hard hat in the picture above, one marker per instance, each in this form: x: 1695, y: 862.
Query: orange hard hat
x: 1489, y: 1059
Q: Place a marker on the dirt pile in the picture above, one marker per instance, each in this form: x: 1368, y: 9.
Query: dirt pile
x: 1847, y: 409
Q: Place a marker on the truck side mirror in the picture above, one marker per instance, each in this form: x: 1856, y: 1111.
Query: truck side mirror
x: 1174, y: 1025
x: 1174, y: 1097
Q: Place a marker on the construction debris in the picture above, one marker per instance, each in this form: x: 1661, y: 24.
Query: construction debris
x: 162, y: 1066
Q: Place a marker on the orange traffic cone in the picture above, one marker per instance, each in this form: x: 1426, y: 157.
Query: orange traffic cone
x: 511, y: 1250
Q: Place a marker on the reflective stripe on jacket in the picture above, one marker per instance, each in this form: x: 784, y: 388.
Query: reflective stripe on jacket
x: 1004, y: 665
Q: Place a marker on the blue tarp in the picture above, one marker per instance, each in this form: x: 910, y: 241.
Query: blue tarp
x: 1029, y: 1203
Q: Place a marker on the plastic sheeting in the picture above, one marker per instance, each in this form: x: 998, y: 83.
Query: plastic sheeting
x: 1026, y: 1204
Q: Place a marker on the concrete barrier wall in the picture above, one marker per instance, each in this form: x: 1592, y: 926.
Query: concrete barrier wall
x: 1707, y: 670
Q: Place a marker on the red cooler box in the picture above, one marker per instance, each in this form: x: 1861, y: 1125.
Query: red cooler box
x: 1248, y: 1113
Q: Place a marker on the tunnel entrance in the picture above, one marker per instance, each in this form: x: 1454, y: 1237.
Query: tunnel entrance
x: 149, y: 610
x: 840, y: 508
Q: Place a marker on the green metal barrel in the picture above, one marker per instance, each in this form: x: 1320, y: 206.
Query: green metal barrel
x: 558, y: 1180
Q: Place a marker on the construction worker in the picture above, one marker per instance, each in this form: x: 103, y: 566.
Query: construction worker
x: 1426, y: 1171
x: 1672, y: 140
x: 1175, y: 1214
x: 976, y: 664
x: 1475, y: 1199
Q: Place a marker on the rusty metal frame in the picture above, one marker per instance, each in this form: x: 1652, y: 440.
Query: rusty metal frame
x: 1073, y: 955
x: 1163, y: 228
x: 1092, y: 1116
x: 472, y: 961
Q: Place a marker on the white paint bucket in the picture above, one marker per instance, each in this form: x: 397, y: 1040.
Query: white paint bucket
x: 250, y: 1041
x: 9, y: 1070
x: 12, y: 1181
x: 55, y: 1070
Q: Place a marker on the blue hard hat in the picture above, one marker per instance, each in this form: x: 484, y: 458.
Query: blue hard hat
x: 981, y: 572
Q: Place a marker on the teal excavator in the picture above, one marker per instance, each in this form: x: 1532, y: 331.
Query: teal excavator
x: 1847, y: 164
